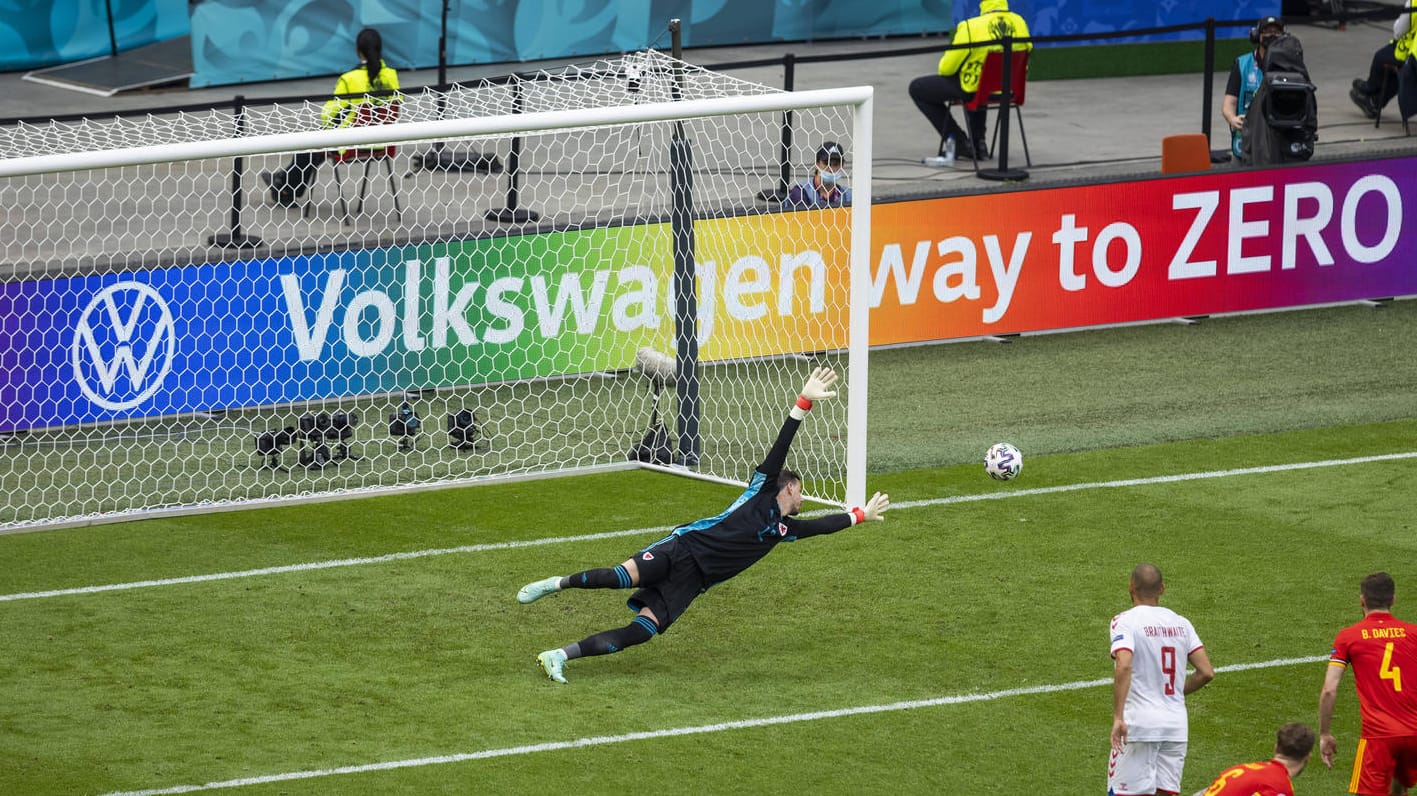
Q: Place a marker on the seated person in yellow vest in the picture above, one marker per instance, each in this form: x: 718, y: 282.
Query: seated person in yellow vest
x: 1372, y: 94
x: 824, y: 187
x: 958, y: 76
x: 289, y: 184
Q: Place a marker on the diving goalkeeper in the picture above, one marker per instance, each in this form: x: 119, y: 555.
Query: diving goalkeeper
x: 670, y: 573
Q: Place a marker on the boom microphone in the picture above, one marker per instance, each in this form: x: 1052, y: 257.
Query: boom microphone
x: 657, y: 367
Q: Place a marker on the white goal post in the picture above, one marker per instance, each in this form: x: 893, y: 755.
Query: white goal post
x: 412, y: 343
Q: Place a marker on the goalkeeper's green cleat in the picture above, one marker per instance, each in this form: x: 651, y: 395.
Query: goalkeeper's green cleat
x: 551, y: 662
x: 532, y: 592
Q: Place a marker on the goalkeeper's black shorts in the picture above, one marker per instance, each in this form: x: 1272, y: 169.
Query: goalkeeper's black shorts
x: 669, y: 596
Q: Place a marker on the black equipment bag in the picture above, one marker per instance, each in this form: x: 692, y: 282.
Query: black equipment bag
x: 654, y: 446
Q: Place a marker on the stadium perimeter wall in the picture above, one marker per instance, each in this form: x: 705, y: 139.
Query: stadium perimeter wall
x: 1030, y: 260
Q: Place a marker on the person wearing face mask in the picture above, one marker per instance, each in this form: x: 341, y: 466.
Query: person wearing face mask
x: 824, y: 188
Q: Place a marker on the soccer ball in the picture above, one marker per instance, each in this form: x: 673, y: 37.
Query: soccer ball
x: 1003, y: 462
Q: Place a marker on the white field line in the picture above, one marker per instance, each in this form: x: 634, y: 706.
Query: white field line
x: 1160, y: 479
x: 341, y: 562
x: 745, y: 724
x: 480, y: 548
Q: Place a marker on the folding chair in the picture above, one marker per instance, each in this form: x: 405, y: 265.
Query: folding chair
x: 1406, y: 77
x: 990, y: 94
x: 366, y: 114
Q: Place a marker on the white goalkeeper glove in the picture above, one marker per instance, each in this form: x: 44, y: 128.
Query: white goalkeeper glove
x: 875, y: 509
x: 817, y: 388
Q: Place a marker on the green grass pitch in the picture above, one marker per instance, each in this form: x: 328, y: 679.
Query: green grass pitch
x: 884, y: 659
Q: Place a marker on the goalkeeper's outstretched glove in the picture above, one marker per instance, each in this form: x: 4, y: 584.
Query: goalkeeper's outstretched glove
x: 875, y: 509
x: 817, y: 388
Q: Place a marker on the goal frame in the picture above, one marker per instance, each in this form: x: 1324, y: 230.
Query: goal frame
x: 858, y: 100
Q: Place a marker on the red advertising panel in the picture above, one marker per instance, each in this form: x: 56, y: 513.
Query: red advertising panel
x: 1058, y: 258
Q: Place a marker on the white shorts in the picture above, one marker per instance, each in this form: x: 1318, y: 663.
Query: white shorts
x: 1146, y: 767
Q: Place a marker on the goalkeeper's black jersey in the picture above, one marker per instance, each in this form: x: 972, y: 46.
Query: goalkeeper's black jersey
x: 749, y: 529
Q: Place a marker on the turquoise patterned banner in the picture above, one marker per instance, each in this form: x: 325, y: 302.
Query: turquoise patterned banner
x: 237, y: 41
x: 242, y: 41
x: 37, y: 33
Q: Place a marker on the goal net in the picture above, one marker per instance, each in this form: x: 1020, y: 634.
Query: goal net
x: 563, y: 271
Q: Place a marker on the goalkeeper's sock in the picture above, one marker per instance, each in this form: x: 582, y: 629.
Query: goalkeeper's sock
x: 637, y: 632
x: 601, y: 578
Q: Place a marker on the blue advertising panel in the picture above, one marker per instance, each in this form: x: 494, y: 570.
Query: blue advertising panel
x: 162, y: 342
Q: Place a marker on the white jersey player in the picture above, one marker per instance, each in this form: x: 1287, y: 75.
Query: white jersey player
x: 1150, y: 648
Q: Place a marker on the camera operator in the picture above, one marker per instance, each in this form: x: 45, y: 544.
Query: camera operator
x: 1245, y: 79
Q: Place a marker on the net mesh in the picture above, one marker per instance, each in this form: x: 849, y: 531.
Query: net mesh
x: 398, y: 323
x: 648, y: 76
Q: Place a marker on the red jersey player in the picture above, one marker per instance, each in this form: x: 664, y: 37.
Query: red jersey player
x: 1292, y: 747
x: 1382, y: 652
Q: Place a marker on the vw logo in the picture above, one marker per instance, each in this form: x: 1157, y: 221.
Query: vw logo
x: 123, y: 347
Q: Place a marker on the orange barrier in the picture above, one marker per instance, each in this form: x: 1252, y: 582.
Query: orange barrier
x: 1185, y: 152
